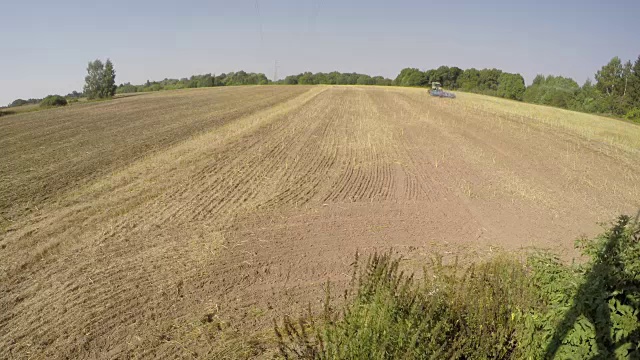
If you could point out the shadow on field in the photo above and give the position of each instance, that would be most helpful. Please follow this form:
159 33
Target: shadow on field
7 112
609 291
128 95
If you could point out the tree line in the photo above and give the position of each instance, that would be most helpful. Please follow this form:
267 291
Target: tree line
100 83
20 102
334 78
244 78
616 90
72 96
197 81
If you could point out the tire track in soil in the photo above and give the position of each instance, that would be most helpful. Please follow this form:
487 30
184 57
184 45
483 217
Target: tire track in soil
365 173
250 224
111 289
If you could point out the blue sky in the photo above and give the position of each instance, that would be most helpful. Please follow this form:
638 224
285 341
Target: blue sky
45 45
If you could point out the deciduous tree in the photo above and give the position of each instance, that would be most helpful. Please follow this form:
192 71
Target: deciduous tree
93 82
108 80
609 79
100 81
511 86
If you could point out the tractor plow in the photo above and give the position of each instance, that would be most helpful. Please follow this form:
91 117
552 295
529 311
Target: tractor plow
436 90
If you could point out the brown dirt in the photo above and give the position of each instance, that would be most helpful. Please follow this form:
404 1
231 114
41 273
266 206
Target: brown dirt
218 210
83 142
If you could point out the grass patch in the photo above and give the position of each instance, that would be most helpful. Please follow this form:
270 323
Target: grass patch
4 112
500 309
589 126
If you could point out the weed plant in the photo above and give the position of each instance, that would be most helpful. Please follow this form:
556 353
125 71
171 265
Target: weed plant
500 309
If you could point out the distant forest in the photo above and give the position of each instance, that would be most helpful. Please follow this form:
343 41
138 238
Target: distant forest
244 78
616 90
335 78
197 81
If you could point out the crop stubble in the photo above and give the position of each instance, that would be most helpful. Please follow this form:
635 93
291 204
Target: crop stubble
177 223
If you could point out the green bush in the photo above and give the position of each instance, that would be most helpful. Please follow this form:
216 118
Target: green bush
53 100
501 309
18 102
633 114
592 310
155 87
393 316
126 89
21 102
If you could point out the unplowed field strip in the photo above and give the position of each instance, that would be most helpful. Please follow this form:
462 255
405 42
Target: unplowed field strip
179 224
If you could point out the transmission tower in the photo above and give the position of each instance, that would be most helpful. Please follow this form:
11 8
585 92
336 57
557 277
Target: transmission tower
275 71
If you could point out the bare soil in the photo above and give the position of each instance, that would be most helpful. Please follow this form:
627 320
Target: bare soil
180 224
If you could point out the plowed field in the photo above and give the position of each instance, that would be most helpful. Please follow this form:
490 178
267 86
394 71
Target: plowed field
181 223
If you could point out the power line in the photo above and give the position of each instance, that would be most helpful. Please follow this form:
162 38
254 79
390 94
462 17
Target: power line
313 15
259 21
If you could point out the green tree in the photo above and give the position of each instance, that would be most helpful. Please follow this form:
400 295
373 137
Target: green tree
613 81
411 77
626 75
291 80
511 86
452 77
447 76
539 80
333 77
365 80
587 99
18 102
126 88
53 100
610 78
353 78
469 80
108 88
440 75
343 79
430 76
488 81
633 90
552 90
93 82
306 79
206 81
220 80
100 81
379 80
321 78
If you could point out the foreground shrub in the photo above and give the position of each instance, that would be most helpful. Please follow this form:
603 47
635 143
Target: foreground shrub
633 114
501 309
593 310
53 100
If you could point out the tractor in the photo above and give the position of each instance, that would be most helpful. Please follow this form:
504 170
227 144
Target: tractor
436 90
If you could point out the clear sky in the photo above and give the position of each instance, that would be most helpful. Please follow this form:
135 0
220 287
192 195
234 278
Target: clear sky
45 45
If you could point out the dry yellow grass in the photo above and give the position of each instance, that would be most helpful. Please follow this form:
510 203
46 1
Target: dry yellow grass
4 111
617 133
179 223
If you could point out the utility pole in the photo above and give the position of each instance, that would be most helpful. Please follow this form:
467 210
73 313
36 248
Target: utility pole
275 71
